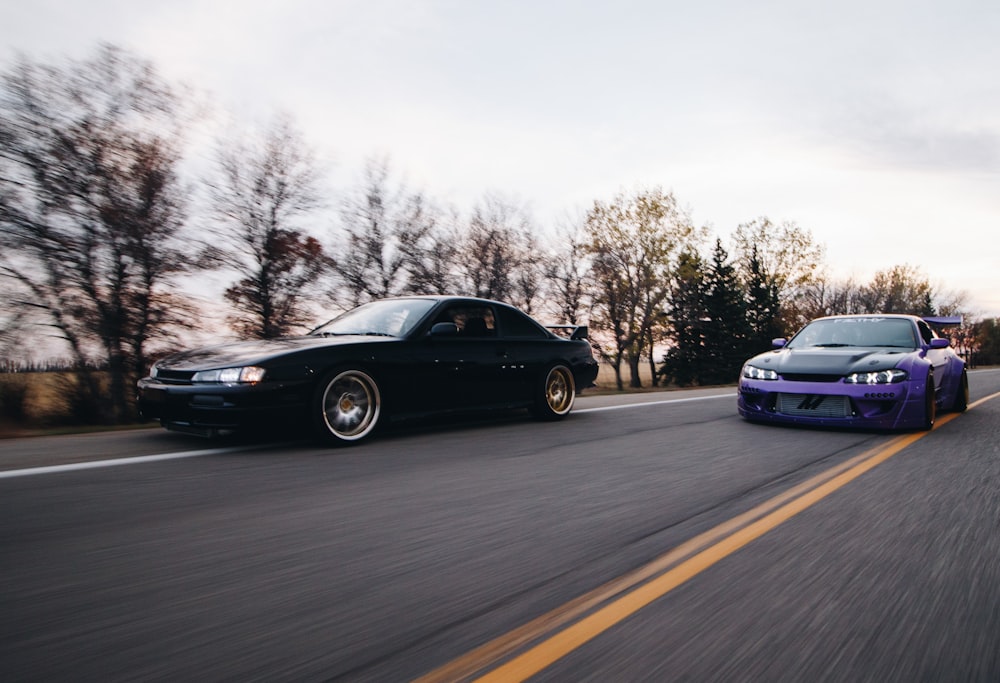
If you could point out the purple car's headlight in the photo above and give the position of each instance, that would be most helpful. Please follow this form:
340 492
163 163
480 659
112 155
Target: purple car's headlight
247 375
881 377
751 372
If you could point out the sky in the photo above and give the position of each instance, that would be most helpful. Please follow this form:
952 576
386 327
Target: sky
874 125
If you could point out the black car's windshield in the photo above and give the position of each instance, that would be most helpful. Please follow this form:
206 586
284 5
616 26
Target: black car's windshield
388 318
891 333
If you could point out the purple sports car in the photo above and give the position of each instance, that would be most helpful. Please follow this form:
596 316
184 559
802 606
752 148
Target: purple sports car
869 371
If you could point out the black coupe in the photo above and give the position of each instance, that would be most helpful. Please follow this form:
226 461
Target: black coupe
388 359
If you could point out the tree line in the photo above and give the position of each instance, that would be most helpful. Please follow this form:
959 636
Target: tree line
103 233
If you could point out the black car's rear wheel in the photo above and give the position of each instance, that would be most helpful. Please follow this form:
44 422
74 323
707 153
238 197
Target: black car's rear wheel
556 395
347 406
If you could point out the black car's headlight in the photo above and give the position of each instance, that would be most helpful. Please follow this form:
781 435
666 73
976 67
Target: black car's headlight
753 372
880 377
248 375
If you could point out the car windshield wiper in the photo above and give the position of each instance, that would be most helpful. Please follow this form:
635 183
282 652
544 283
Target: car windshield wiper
832 345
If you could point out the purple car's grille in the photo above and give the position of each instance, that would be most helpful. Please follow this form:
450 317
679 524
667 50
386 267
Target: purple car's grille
803 377
813 405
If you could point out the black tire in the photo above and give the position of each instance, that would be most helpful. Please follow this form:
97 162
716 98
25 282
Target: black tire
556 394
961 403
930 405
346 406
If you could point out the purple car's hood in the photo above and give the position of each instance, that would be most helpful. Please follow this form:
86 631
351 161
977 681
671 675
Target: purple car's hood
831 361
236 354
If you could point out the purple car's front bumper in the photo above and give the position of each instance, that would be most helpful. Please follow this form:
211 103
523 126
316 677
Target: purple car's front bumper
834 404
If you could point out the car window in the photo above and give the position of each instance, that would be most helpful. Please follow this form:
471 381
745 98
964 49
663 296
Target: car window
516 324
389 317
874 331
472 321
926 332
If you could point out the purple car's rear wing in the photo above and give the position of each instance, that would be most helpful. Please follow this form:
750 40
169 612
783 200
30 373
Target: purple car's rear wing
943 320
570 331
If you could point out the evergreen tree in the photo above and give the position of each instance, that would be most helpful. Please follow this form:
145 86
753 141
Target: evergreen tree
684 362
727 331
763 306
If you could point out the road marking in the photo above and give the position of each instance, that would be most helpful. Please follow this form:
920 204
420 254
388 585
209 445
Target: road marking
584 618
113 462
643 404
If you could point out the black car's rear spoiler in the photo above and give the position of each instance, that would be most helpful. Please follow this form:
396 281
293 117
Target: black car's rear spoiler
943 320
571 331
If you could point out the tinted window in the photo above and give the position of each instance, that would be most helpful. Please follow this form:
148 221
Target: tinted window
472 321
926 332
516 324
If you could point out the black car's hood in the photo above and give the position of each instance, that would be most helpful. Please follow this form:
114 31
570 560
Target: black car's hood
237 354
830 361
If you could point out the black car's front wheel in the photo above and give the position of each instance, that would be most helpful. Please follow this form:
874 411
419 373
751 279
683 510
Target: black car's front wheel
346 406
556 394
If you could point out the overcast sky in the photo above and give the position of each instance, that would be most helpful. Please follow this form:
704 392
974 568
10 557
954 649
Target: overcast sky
873 124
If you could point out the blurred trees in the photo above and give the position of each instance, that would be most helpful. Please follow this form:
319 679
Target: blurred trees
92 211
498 256
982 341
266 186
392 242
567 273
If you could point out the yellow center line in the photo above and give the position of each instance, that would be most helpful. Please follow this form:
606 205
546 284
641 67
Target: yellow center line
670 571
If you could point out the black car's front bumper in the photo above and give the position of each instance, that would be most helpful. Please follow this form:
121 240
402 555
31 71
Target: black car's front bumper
216 408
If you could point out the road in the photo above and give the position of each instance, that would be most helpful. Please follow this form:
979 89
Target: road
647 537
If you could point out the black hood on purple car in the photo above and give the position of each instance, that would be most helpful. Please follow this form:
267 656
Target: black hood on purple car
237 354
830 361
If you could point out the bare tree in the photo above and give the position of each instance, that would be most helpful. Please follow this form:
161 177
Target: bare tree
266 186
567 270
787 256
92 211
900 289
499 256
633 241
393 244
431 251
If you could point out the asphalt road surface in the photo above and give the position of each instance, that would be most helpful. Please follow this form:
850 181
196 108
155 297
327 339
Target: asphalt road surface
652 537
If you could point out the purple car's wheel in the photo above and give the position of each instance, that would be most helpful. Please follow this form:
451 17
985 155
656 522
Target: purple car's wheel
347 406
930 406
558 392
962 395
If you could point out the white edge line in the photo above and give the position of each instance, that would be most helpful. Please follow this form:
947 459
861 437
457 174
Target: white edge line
653 403
94 464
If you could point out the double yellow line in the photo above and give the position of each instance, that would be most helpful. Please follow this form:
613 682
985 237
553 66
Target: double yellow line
555 634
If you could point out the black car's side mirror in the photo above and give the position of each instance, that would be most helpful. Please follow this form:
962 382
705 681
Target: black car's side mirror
444 330
939 343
